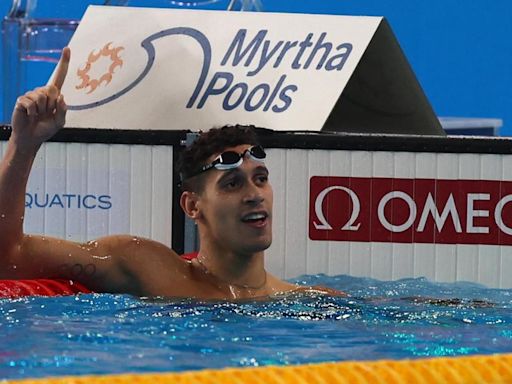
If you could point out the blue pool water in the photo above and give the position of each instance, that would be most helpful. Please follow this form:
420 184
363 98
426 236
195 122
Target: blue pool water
100 334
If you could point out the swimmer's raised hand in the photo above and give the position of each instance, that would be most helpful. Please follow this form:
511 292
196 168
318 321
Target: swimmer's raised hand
40 113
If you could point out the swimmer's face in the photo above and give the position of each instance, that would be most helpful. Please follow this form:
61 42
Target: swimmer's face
235 206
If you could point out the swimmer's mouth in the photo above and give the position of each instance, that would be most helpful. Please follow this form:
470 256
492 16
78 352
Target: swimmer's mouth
255 217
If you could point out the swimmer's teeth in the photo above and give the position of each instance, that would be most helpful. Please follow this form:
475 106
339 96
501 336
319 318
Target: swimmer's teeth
254 217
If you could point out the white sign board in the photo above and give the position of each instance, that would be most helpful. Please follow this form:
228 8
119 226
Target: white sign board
143 68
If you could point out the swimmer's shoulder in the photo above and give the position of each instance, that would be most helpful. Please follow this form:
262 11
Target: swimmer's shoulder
154 269
281 286
137 253
322 290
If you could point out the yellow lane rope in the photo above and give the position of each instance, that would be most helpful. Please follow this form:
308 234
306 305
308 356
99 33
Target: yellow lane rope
452 370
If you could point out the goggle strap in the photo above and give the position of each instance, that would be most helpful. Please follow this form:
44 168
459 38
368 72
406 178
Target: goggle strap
219 163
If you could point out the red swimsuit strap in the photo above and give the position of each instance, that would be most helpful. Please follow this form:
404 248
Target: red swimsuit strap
189 256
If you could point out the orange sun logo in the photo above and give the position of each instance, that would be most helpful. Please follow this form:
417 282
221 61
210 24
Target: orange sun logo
106 51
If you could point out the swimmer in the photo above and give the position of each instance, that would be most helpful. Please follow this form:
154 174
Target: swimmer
226 191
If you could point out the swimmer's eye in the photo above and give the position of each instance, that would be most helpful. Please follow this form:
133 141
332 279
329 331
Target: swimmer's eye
232 183
262 179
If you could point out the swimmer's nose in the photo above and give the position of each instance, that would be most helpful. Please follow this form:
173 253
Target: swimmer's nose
254 200
253 196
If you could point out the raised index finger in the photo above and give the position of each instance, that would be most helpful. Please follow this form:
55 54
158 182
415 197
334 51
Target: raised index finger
62 68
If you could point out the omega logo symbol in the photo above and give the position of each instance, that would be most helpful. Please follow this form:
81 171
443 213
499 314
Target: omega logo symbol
428 211
356 208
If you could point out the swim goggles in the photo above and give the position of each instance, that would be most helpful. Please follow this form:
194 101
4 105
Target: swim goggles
231 160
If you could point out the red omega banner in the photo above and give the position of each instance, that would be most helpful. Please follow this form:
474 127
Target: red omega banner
410 210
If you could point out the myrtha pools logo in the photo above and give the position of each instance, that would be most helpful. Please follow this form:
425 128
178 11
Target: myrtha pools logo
112 54
254 54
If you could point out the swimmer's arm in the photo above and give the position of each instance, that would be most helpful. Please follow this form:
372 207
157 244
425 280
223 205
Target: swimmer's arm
114 264
442 302
449 302
36 117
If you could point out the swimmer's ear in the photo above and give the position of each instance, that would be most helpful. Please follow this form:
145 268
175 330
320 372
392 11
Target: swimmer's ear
189 204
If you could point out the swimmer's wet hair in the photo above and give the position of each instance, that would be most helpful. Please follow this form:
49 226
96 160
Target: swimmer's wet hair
207 144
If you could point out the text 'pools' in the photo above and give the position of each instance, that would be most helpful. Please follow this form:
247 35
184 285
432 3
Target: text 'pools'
259 53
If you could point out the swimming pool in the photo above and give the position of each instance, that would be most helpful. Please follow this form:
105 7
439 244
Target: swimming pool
105 334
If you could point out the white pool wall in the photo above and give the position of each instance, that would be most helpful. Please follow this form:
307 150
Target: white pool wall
293 253
138 179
